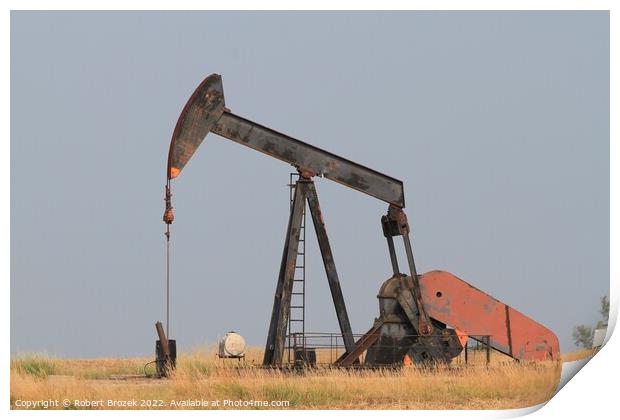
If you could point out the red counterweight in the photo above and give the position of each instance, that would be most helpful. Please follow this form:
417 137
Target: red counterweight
457 303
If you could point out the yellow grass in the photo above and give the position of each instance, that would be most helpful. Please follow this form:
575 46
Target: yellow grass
578 355
201 376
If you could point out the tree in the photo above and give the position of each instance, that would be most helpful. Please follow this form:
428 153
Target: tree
605 308
583 334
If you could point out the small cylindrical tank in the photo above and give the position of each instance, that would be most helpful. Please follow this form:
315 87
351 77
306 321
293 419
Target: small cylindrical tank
232 345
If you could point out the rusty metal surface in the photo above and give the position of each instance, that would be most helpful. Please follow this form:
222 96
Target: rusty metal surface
168 213
310 158
330 267
393 257
165 352
425 327
162 338
201 111
407 302
472 311
437 298
274 348
395 223
367 340
399 335
205 111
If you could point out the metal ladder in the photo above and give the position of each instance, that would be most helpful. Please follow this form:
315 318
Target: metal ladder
297 311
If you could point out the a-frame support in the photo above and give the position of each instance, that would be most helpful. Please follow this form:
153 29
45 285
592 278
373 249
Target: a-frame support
274 348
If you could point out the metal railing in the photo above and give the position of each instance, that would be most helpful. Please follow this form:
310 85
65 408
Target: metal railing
324 349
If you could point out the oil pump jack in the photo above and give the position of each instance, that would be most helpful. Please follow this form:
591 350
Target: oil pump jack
418 314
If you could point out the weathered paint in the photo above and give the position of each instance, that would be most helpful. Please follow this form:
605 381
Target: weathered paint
399 334
367 340
205 111
330 266
202 110
471 311
274 348
440 295
462 337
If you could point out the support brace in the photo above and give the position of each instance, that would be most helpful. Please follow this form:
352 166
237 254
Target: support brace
330 268
276 337
282 299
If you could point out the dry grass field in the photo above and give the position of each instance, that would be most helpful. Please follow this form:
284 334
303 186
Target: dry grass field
201 379
578 355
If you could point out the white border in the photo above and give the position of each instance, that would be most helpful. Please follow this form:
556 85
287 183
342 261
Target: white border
592 394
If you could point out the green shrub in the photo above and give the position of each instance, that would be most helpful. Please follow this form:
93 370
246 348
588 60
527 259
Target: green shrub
34 365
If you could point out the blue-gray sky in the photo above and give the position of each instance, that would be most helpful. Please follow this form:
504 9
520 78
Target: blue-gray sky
497 122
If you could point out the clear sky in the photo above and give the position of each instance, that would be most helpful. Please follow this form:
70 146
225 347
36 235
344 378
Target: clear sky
497 122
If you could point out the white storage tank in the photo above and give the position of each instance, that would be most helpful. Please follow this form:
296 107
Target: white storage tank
599 337
232 346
